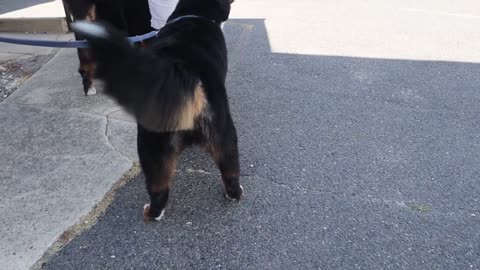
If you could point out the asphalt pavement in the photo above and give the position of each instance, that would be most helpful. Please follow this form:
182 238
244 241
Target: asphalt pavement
361 152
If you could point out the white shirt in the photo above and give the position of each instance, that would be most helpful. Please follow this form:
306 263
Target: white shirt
160 11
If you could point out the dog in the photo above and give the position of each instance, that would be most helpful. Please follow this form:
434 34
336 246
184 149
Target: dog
130 16
175 89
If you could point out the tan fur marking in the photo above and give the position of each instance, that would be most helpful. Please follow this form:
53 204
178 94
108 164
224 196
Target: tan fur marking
146 213
214 152
191 109
162 182
92 14
230 174
89 69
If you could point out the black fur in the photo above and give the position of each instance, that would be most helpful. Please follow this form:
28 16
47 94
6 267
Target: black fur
132 17
155 83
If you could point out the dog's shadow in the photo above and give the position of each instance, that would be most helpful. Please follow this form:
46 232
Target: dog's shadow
197 194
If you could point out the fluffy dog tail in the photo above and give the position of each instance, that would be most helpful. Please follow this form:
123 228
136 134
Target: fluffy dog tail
160 93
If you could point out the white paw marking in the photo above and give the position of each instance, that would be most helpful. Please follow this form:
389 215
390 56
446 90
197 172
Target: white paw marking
90 29
91 91
161 213
228 197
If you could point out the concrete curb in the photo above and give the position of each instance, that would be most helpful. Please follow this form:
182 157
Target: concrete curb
34 25
66 149
90 219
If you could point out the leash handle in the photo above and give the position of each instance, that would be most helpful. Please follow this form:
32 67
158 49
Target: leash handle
68 44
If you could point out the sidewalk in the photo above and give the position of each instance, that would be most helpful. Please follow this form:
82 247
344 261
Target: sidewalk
32 16
60 153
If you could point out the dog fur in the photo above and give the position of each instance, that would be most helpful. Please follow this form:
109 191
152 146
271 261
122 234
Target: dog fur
175 88
132 17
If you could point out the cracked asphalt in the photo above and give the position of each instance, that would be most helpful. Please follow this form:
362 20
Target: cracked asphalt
348 161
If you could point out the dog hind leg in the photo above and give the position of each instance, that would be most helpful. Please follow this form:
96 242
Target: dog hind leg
87 66
86 70
158 159
224 150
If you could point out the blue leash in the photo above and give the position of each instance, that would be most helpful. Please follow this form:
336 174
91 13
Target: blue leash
84 43
188 17
67 44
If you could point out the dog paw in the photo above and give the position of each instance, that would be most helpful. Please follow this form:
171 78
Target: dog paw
91 91
234 195
146 213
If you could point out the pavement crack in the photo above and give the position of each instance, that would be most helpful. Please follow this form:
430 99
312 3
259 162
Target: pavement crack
109 113
109 139
198 171
87 221
305 190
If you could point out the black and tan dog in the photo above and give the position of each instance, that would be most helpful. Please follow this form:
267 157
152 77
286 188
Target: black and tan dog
132 17
175 88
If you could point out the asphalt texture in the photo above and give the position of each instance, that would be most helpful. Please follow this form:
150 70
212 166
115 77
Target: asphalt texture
347 163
